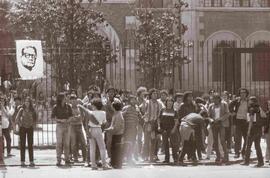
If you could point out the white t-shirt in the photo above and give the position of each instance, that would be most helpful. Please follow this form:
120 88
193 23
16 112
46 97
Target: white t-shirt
217 113
100 117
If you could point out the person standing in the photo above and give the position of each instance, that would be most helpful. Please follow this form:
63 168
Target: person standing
267 133
109 113
178 101
153 108
117 129
26 119
239 109
132 116
77 137
219 112
256 119
6 113
141 101
93 123
62 112
168 124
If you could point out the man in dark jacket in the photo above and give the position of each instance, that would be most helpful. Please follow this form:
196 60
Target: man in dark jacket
256 120
239 110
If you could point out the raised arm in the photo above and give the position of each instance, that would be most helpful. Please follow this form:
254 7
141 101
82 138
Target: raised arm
87 113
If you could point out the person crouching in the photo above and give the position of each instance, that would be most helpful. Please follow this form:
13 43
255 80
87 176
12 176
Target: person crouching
187 132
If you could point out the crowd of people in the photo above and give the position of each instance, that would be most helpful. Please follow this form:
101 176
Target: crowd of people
107 129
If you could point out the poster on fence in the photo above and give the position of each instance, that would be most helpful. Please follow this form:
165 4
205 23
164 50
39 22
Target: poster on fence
29 59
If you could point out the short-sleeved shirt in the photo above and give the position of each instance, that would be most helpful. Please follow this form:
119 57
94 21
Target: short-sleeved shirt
60 112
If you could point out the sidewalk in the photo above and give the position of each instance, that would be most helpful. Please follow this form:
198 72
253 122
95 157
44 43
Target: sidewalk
47 157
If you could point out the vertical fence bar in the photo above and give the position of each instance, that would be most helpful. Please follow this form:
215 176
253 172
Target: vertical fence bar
206 44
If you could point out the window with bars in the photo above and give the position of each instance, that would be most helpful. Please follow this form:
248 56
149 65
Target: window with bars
218 59
261 64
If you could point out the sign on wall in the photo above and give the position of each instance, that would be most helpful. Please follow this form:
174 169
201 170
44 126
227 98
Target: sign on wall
29 59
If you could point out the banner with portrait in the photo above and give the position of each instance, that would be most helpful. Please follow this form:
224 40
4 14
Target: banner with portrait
29 59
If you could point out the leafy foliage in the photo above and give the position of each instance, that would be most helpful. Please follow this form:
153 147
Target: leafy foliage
160 45
69 30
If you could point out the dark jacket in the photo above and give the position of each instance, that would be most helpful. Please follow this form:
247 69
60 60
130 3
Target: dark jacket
186 109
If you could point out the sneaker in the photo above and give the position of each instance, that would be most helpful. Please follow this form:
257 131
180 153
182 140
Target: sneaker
106 167
166 161
67 163
32 164
237 156
259 165
244 164
23 164
86 164
181 163
9 155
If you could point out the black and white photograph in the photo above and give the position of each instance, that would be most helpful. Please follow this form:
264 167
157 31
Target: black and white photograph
134 88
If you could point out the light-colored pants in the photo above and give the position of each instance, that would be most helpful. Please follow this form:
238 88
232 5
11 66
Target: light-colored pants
62 141
267 152
97 138
210 142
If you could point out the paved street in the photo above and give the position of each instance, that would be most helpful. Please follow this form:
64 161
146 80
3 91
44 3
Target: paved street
234 171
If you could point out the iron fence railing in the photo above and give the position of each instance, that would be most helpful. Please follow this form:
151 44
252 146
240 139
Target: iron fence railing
219 65
235 3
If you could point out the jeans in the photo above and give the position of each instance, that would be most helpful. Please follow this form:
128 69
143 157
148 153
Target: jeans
228 137
26 133
149 147
210 142
130 141
241 127
77 138
108 141
97 138
219 133
267 153
170 139
117 155
62 141
255 136
188 148
6 135
199 141
139 141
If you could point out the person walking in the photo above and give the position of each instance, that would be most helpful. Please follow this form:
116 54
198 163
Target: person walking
26 119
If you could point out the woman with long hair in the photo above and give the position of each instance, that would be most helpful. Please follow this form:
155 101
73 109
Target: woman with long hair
26 119
6 111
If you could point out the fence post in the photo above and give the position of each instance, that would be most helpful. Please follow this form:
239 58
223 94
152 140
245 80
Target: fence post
1 143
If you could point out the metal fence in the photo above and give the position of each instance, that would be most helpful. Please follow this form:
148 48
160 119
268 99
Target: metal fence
220 65
235 3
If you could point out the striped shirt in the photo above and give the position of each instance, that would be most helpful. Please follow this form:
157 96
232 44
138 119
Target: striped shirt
131 115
